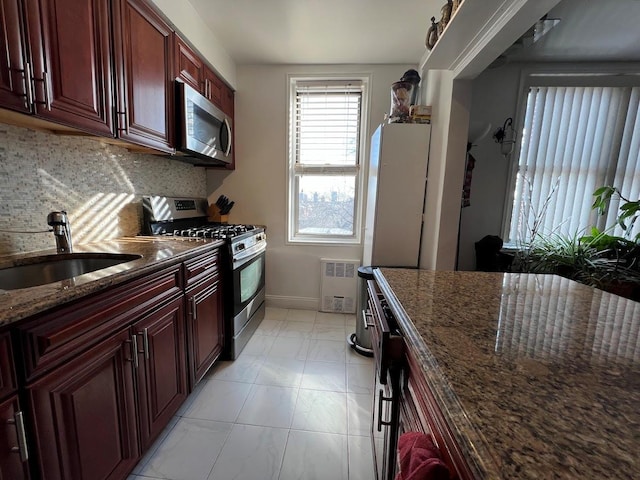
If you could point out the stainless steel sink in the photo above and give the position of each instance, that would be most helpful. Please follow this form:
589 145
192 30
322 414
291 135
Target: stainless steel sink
34 271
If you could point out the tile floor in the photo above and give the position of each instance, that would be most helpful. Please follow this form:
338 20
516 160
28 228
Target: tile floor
296 404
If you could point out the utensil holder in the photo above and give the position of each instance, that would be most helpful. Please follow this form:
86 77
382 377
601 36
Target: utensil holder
215 216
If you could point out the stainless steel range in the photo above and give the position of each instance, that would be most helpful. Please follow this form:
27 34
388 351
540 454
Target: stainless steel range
244 277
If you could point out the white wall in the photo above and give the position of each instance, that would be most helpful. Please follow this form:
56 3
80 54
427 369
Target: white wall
259 183
184 18
494 98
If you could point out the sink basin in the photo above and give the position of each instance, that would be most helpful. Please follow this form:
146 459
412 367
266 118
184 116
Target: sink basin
34 271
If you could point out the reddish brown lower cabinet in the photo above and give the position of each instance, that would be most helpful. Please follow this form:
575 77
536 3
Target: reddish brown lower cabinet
83 414
204 325
160 368
14 454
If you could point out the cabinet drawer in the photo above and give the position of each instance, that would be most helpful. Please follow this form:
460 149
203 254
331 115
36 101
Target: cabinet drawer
7 370
202 266
50 339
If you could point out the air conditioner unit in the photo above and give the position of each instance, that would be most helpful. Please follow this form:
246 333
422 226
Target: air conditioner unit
339 285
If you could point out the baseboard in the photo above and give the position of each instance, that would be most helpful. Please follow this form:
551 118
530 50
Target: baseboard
301 303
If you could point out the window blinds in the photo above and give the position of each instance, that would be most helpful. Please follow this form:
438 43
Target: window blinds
326 124
575 139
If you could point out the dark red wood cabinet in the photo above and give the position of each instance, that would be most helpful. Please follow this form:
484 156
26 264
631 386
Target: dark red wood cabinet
205 314
14 452
143 54
71 54
14 69
84 416
188 66
160 368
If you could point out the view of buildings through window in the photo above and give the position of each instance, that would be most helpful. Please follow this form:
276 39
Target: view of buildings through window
324 174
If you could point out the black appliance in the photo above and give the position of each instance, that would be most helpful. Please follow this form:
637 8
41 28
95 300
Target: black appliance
203 130
244 275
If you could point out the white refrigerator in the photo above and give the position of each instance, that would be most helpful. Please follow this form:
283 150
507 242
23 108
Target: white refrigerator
399 157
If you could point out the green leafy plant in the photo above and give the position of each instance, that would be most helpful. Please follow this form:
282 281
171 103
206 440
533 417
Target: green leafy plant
628 213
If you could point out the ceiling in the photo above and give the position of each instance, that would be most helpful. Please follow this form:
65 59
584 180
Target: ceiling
589 30
320 31
387 32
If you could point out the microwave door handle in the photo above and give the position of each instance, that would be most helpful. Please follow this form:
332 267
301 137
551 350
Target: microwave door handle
228 127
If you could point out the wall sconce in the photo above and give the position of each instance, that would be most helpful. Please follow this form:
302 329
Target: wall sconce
506 137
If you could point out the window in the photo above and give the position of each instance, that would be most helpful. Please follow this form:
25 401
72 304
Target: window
325 145
574 140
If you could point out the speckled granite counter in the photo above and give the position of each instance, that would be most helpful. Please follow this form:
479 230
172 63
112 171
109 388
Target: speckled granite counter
538 376
157 252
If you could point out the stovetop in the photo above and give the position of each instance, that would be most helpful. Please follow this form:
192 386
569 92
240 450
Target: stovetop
217 231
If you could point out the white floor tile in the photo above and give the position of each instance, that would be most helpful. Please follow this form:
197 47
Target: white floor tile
323 331
325 376
251 453
325 318
272 313
289 348
291 329
301 315
327 351
320 411
269 406
269 327
281 371
154 447
315 456
219 400
360 377
189 451
359 413
258 345
244 369
353 357
360 458
350 322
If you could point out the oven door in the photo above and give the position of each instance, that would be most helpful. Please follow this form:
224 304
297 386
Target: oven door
248 285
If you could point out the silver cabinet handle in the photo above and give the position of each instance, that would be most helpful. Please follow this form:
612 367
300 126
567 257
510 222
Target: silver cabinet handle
134 348
366 314
382 398
18 421
146 343
194 307
27 85
47 96
122 116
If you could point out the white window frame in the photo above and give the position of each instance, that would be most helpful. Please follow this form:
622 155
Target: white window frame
293 174
578 75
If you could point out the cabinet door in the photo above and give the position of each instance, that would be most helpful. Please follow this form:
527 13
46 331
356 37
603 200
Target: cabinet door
162 379
13 447
204 326
212 87
144 71
14 75
71 51
83 415
188 66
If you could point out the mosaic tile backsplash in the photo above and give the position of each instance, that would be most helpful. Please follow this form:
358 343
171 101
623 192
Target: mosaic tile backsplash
99 185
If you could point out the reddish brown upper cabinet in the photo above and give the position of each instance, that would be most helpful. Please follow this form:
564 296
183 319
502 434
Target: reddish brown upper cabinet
71 63
15 90
143 53
188 66
161 368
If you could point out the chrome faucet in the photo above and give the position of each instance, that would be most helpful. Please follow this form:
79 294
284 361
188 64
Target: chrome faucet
61 230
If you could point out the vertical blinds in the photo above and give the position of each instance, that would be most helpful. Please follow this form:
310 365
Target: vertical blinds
326 123
575 139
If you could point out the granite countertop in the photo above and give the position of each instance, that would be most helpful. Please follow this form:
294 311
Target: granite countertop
538 376
157 252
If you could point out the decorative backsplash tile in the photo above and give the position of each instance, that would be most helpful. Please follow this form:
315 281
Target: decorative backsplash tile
97 184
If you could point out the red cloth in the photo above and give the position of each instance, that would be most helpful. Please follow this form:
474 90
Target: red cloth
420 458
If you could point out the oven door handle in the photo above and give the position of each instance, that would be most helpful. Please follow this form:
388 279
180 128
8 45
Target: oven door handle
249 254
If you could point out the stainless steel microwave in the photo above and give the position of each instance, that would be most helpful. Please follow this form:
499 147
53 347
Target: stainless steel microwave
203 130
